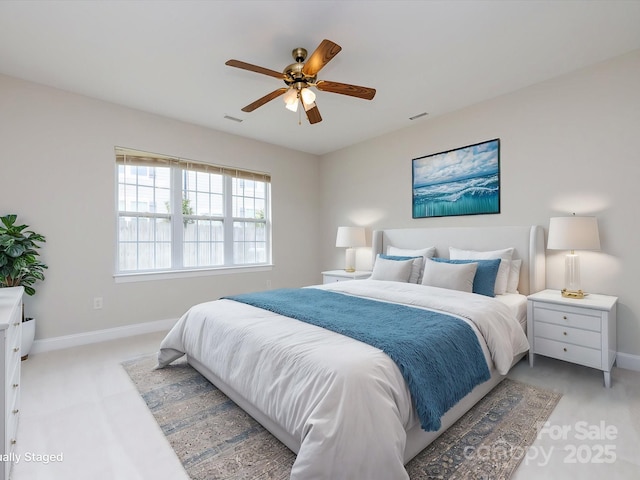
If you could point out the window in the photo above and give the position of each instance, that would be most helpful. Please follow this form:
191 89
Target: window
175 214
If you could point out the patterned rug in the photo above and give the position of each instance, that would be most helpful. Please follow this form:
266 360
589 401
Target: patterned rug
217 440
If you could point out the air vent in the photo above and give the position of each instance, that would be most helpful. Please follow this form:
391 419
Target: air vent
415 117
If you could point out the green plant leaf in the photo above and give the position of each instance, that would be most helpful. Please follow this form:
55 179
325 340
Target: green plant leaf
19 264
15 250
9 220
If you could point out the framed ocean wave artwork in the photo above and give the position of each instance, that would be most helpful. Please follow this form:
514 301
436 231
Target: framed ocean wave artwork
463 181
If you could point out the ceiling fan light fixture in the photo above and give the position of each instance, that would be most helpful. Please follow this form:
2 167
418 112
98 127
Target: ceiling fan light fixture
307 96
293 106
290 96
291 99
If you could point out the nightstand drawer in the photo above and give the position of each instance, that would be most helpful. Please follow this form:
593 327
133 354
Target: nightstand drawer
575 336
332 276
332 279
569 317
570 353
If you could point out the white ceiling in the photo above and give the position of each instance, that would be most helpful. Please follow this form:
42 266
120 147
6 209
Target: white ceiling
422 56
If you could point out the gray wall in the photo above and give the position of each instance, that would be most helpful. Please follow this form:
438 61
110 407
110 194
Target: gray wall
567 145
57 171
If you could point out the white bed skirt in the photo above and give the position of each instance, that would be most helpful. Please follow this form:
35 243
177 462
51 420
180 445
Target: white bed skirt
417 438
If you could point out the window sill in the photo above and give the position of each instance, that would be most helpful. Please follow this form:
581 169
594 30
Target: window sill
169 275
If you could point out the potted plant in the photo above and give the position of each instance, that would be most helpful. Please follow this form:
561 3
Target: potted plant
20 266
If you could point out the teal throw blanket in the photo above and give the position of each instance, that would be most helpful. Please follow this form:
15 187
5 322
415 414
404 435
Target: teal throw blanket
438 355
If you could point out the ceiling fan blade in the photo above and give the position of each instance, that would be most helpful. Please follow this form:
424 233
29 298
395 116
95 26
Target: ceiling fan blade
346 89
313 114
322 55
254 68
267 98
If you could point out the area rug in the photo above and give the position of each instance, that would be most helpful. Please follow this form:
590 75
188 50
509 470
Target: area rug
214 439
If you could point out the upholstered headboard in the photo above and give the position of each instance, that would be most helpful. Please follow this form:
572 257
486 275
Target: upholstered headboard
527 241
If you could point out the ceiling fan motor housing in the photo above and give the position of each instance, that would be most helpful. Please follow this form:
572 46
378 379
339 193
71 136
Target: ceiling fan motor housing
293 75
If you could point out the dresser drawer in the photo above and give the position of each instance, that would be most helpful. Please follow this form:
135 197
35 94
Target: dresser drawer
12 430
13 414
569 317
13 385
575 336
13 335
12 355
568 352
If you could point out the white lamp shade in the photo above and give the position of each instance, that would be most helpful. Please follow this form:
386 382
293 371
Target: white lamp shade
290 96
350 237
573 233
291 99
307 95
293 106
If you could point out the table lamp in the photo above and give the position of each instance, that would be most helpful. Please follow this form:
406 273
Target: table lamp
573 233
350 237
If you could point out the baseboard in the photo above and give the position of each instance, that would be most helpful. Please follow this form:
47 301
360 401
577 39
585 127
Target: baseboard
628 361
86 338
623 360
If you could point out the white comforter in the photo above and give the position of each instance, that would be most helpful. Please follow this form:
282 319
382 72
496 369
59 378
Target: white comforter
345 401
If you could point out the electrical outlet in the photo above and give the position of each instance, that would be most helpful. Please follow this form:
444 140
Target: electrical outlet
97 303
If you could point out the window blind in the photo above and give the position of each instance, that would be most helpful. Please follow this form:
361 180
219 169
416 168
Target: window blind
126 156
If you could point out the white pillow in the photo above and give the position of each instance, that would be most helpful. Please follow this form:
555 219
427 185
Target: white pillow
454 276
394 270
514 276
425 253
503 271
416 268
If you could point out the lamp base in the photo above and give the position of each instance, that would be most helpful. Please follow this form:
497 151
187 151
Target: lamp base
572 277
350 260
573 293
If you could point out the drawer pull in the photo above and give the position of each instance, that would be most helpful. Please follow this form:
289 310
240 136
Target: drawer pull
564 317
17 349
16 411
16 385
16 324
13 441
564 333
565 349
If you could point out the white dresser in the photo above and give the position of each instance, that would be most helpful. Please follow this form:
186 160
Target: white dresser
581 331
10 326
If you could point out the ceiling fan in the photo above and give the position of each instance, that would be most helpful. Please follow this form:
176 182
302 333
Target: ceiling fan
300 76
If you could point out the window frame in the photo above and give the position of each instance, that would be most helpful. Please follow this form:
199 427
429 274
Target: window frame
177 167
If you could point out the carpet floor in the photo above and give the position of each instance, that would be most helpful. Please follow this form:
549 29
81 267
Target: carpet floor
216 440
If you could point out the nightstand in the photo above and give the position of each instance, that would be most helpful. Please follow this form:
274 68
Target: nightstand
341 276
581 331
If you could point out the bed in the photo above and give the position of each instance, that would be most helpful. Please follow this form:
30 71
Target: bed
342 405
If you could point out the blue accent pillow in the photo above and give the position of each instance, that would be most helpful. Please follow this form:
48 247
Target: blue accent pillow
396 257
485 280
